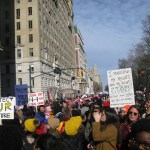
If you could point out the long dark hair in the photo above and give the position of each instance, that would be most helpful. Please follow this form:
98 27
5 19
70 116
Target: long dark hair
112 118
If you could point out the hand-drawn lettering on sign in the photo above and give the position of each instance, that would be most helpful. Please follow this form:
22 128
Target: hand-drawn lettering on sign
7 108
35 99
120 87
21 94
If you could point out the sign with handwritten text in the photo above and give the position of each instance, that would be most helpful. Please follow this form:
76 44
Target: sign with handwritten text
35 99
7 108
121 90
21 92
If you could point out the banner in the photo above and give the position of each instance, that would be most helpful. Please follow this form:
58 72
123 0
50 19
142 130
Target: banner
35 99
7 107
120 87
21 92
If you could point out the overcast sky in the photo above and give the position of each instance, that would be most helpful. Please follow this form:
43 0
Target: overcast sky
109 29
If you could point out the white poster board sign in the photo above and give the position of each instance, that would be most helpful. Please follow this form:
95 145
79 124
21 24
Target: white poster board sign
35 99
120 87
7 107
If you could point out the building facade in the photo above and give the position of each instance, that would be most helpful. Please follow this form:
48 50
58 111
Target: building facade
94 81
81 61
42 40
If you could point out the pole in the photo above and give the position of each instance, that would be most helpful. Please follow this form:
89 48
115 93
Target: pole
30 78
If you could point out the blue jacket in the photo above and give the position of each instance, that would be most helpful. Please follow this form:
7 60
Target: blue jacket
41 118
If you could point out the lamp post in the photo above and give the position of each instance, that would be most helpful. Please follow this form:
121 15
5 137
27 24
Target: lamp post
30 78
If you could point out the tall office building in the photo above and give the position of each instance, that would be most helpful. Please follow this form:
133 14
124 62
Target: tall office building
37 36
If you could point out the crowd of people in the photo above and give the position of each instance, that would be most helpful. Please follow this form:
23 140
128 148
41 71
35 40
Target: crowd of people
86 123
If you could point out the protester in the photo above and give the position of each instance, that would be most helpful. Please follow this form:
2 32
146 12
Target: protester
53 124
40 115
41 128
45 142
64 144
28 136
74 131
140 132
10 138
122 115
125 127
85 107
64 105
105 129
147 106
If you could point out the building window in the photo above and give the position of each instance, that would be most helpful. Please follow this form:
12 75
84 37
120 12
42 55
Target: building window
17 1
7 69
18 13
18 39
29 10
19 67
29 0
30 24
18 53
31 51
18 26
30 38
20 81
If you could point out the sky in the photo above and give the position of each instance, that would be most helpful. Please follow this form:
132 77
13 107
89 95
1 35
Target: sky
110 28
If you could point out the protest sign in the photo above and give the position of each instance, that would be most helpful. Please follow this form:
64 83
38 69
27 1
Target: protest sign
21 92
35 99
7 108
120 87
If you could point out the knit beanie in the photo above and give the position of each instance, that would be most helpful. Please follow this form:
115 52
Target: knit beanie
53 122
29 125
72 125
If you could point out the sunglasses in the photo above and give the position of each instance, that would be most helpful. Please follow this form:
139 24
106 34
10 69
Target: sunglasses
134 113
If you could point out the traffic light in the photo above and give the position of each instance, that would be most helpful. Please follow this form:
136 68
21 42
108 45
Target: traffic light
79 73
57 70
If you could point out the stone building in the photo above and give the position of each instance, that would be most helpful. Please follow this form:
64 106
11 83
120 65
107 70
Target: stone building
81 61
38 36
94 80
